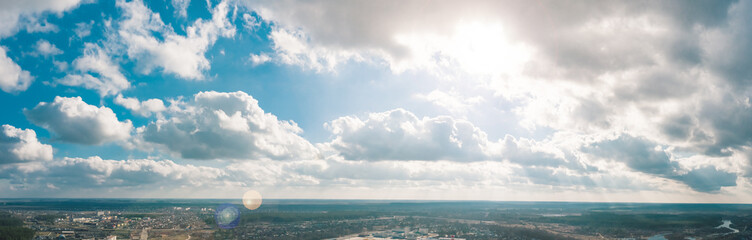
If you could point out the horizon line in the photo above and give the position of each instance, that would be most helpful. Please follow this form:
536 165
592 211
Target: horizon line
382 200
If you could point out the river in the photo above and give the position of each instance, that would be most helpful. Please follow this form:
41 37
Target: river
727 224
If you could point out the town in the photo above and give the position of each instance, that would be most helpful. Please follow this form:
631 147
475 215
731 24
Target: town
374 220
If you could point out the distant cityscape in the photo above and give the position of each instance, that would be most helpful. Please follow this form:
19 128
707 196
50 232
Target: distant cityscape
187 223
368 220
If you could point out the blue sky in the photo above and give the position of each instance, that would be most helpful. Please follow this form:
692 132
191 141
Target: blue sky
596 101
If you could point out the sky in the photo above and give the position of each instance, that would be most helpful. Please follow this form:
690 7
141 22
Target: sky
599 101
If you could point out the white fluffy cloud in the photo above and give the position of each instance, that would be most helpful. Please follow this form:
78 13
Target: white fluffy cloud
12 77
615 95
400 135
11 12
173 53
250 22
226 125
96 176
666 73
258 59
164 178
83 29
145 108
585 56
73 120
45 48
21 145
106 79
321 35
181 7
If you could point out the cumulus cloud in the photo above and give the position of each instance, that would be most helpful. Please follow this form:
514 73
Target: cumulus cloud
21 145
341 40
155 45
12 77
621 92
722 126
218 125
37 25
107 176
644 156
83 29
599 81
292 48
250 22
586 55
680 86
636 153
321 35
73 120
708 179
45 48
145 108
162 176
14 11
400 135
95 70
258 59
727 48
181 7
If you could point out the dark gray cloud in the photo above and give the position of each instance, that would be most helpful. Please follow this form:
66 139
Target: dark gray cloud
679 127
552 26
552 177
636 153
728 49
707 179
642 155
729 121
588 39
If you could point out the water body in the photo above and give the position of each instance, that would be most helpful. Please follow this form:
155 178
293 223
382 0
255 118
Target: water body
727 224
658 237
553 215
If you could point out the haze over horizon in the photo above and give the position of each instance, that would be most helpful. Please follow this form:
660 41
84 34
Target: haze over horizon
595 101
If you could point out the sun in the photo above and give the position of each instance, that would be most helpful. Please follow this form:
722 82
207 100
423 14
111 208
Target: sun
484 48
468 47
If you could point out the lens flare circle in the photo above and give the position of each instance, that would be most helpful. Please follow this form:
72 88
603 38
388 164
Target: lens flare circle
252 200
227 216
